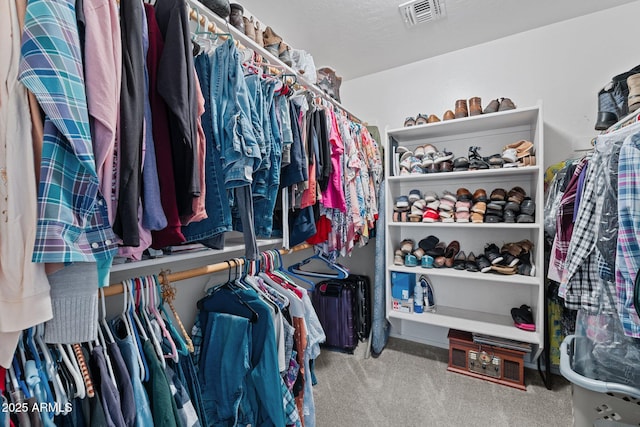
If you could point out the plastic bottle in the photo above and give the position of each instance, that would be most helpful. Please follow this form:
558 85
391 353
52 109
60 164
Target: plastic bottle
418 298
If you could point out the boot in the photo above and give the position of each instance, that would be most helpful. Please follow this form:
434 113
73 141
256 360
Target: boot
461 109
475 106
259 37
249 28
272 41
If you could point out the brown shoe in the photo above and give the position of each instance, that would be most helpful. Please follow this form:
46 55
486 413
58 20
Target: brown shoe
432 118
516 195
450 253
506 104
480 195
492 107
463 194
259 36
461 109
498 194
448 115
475 107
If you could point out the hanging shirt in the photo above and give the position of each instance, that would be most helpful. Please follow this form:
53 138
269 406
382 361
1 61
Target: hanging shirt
333 195
73 223
24 288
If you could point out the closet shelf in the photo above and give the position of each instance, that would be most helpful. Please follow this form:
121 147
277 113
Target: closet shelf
517 279
473 124
472 321
468 176
473 225
233 246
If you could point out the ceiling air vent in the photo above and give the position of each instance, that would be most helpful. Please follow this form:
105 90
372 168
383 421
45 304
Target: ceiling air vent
420 11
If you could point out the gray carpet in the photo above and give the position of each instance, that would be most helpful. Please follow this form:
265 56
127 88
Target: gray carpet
409 385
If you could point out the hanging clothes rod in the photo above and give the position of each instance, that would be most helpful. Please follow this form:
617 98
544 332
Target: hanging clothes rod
118 288
197 9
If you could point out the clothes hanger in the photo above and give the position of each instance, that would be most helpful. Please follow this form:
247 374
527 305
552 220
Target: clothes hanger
18 377
152 313
138 330
168 295
340 272
230 285
59 392
79 389
281 270
42 373
101 342
146 322
124 316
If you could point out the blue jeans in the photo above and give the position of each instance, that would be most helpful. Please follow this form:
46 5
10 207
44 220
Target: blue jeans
232 126
224 364
216 200
256 98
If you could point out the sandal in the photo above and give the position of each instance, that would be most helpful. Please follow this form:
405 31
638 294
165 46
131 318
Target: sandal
409 121
421 119
477 217
479 207
503 269
430 215
406 246
523 318
398 257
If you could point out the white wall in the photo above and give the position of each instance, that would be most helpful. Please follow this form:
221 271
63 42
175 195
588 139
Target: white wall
564 65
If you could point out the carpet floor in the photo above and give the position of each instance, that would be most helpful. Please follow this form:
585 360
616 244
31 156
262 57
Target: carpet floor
409 385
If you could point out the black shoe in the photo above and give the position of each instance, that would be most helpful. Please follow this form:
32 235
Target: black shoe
509 260
526 267
484 265
471 264
492 252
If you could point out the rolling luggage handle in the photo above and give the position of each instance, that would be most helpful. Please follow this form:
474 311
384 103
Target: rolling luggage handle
566 354
330 289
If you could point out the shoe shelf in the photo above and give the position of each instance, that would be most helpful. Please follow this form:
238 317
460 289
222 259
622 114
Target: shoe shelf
471 321
436 225
471 301
452 273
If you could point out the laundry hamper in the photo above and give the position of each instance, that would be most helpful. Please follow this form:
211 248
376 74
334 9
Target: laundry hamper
598 403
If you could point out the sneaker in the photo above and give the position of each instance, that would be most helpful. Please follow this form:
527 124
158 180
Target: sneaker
410 260
492 252
483 264
429 297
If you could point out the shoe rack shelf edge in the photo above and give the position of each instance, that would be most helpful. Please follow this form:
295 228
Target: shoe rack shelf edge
474 302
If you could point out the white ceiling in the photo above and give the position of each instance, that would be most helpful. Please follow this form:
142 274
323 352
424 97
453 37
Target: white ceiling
357 38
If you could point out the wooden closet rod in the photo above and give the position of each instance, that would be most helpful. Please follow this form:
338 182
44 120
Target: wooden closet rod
118 288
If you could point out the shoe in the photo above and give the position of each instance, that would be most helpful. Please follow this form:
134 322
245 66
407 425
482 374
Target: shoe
492 107
409 121
414 196
435 205
410 260
503 269
508 258
494 207
492 219
426 261
480 195
406 246
462 216
430 196
433 119
460 164
522 218
528 206
448 115
479 207
509 216
398 257
402 203
506 104
446 166
460 261
471 264
483 264
235 18
527 161
442 156
259 35
523 318
430 215
463 195
249 28
474 106
437 250
461 109
477 217
475 159
526 267
516 195
421 119
492 253
510 155
463 206
498 194
417 209
428 243
451 252
419 152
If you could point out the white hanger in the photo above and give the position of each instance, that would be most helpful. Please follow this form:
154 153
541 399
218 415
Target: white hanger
59 392
102 343
74 370
143 310
150 289
125 318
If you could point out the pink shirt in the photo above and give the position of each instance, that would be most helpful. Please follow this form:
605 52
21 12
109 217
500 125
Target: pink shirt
333 196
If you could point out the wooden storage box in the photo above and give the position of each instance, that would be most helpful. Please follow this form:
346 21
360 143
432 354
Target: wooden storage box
496 364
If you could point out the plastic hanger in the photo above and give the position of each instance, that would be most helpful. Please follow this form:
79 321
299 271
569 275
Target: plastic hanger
280 269
42 373
145 321
340 272
103 343
18 378
181 344
124 316
151 312
59 392
230 285
74 371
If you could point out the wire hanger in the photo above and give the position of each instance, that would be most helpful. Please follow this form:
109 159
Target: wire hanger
340 271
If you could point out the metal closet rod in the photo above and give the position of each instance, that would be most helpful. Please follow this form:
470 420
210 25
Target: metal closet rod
118 288
198 12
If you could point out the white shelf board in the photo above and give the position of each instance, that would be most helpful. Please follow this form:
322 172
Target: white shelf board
498 225
233 246
482 122
471 321
469 175
468 275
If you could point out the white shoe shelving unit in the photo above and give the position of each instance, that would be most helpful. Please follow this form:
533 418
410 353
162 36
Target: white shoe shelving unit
473 302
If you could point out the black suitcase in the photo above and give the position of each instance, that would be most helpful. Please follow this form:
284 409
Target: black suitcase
362 304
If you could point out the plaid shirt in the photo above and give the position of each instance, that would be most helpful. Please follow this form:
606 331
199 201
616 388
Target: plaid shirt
628 248
72 221
580 280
